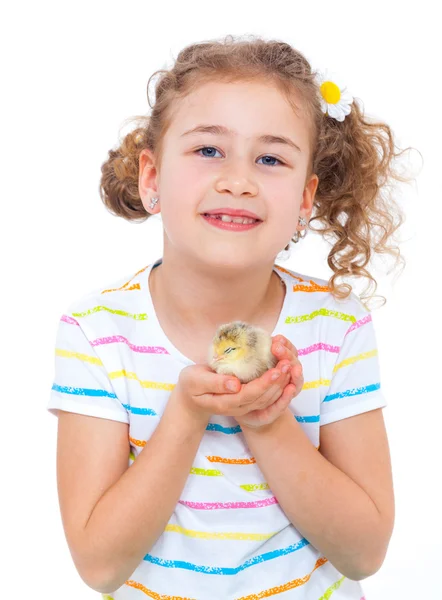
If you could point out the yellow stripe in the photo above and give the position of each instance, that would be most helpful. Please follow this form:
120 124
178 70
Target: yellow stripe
114 311
84 357
209 535
352 359
156 385
323 312
207 472
251 487
329 591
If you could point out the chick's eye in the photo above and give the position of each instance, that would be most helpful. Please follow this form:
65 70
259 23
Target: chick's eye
229 349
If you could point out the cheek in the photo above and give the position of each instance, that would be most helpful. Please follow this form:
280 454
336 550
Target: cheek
185 182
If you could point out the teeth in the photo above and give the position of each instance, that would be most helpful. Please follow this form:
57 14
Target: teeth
229 219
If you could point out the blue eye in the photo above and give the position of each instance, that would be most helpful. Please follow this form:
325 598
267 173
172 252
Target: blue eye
265 156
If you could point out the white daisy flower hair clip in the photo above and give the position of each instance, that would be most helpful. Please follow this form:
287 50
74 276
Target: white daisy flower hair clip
335 99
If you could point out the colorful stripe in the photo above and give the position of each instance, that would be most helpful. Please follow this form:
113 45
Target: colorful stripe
291 585
114 311
210 570
332 589
228 505
211 426
116 339
124 287
210 535
253 487
359 323
67 389
264 594
205 472
353 392
353 359
232 461
320 312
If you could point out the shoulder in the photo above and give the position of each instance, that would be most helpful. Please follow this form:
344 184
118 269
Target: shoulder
312 300
113 302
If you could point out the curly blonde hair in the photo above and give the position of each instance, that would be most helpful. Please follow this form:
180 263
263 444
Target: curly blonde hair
353 159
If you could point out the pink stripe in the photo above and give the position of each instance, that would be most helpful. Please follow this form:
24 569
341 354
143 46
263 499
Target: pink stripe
161 350
119 338
359 323
214 505
69 320
318 346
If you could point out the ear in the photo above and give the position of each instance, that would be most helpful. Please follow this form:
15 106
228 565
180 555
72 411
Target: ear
147 178
308 196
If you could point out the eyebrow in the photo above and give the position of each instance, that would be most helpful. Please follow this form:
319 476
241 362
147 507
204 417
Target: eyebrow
221 130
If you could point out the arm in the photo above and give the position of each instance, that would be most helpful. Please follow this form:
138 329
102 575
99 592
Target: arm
117 540
326 505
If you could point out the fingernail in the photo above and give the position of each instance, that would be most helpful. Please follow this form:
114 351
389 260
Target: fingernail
275 376
231 385
279 348
285 368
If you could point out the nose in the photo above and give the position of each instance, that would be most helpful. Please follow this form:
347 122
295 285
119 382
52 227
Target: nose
237 180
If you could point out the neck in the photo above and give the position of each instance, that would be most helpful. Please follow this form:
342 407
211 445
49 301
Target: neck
203 298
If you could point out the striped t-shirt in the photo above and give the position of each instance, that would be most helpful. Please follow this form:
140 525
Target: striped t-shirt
228 538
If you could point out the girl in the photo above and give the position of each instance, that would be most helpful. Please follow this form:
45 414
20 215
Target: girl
272 488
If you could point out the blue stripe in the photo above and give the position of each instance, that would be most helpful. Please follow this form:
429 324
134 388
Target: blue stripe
353 392
221 429
307 419
140 411
150 411
65 389
181 564
237 429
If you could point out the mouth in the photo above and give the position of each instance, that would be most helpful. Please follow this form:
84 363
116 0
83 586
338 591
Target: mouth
236 224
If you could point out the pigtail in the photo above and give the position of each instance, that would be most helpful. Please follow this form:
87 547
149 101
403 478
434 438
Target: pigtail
354 162
118 187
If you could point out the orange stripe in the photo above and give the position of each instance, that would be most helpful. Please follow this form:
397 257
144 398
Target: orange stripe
286 586
232 461
313 287
135 286
152 594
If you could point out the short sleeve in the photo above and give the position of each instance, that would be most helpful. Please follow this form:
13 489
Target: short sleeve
81 383
355 385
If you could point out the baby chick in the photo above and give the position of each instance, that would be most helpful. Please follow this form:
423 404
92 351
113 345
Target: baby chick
242 350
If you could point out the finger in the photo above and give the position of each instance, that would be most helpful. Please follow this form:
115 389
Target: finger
271 412
286 343
262 403
216 383
270 393
282 402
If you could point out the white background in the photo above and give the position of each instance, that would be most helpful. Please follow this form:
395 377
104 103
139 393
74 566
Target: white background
71 74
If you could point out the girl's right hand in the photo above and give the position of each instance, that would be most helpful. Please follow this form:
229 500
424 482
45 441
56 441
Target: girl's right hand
203 393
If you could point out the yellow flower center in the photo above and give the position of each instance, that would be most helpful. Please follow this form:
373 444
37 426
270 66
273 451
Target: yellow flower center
330 92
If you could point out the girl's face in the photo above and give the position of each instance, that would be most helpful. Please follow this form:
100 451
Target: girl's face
201 171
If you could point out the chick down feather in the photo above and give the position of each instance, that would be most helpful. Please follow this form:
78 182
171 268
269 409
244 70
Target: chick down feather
241 349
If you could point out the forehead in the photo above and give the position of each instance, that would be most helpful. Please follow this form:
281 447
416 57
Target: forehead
250 108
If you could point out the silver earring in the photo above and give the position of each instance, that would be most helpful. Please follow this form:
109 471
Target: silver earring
153 202
300 234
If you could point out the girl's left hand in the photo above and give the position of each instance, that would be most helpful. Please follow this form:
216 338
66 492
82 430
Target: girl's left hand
288 354
289 351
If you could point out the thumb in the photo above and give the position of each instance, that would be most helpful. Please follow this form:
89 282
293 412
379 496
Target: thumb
204 380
